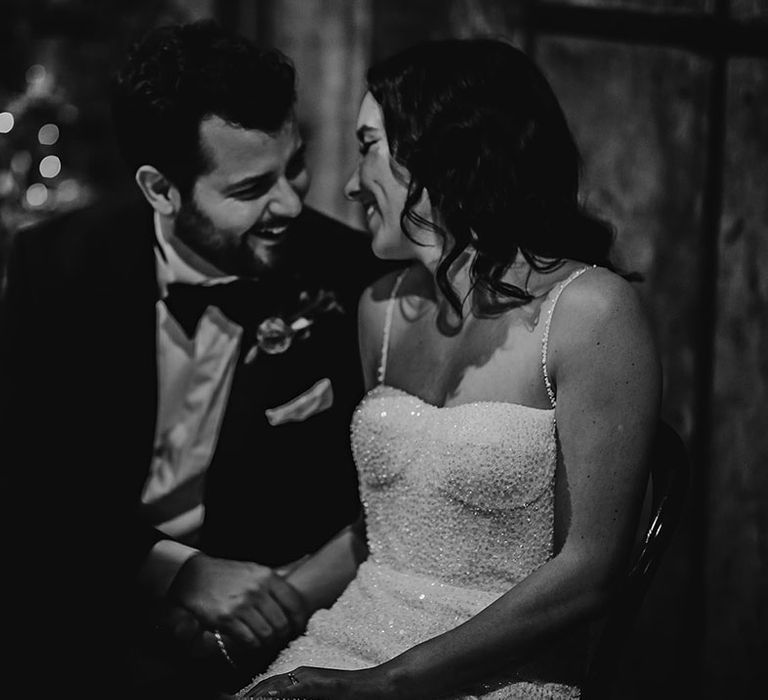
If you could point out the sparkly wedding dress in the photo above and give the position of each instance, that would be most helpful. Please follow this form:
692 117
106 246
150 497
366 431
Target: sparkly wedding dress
459 506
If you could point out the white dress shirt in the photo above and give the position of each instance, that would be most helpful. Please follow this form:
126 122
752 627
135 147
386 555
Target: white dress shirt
194 378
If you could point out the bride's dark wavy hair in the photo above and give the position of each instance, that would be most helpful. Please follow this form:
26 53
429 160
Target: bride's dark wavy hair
476 124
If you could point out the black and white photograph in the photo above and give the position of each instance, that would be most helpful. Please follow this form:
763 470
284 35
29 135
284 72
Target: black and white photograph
384 349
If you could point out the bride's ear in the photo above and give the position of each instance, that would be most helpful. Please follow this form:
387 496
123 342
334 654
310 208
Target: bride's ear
158 190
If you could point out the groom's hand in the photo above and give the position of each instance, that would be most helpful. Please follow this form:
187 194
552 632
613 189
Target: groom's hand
249 603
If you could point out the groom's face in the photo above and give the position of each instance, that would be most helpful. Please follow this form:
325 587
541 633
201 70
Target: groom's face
238 213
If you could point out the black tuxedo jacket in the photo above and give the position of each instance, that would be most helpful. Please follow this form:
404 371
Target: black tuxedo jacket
78 405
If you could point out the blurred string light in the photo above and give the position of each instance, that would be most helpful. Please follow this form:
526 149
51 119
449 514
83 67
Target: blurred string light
7 183
48 134
50 166
6 122
21 162
68 113
69 191
34 184
39 81
36 73
37 195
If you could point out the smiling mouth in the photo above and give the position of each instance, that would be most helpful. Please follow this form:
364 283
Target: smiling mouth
271 235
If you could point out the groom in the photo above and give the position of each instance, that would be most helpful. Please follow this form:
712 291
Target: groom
178 381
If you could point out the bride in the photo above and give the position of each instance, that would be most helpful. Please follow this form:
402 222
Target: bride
513 395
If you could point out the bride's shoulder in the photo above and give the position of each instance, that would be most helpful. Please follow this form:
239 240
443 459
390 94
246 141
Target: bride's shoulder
598 310
595 293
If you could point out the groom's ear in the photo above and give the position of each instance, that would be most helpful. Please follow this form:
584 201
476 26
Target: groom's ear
158 190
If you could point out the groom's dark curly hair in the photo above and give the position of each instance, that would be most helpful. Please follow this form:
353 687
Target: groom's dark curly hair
180 74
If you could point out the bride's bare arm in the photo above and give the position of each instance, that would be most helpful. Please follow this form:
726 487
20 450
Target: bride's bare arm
321 578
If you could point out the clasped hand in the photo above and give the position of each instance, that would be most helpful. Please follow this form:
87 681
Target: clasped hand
251 606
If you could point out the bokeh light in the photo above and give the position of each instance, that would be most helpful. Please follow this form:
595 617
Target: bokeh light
48 134
7 183
6 122
68 191
40 82
68 113
37 195
21 162
36 73
50 166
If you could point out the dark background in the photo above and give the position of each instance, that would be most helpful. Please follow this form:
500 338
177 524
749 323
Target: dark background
669 102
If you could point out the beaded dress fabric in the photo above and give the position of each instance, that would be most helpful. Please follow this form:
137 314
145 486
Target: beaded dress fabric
459 506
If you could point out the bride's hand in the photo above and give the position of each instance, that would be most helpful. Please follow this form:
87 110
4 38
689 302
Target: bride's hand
326 683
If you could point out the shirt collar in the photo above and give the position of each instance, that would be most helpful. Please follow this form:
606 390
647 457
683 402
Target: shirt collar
177 263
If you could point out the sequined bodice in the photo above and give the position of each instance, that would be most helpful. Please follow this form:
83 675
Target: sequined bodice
462 493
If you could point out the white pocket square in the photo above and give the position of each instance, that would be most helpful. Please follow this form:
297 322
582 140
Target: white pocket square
314 400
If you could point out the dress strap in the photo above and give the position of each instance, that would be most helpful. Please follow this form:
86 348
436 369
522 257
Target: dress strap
545 337
388 326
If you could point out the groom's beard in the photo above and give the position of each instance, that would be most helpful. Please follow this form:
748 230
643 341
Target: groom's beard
244 254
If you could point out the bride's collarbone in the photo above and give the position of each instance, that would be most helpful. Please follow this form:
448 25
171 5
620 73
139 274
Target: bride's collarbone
495 363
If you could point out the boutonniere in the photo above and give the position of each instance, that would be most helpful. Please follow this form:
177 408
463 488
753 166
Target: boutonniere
274 335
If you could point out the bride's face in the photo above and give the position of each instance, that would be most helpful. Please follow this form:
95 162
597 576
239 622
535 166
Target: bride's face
381 186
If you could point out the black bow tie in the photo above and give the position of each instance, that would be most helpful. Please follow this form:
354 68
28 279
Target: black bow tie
242 301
